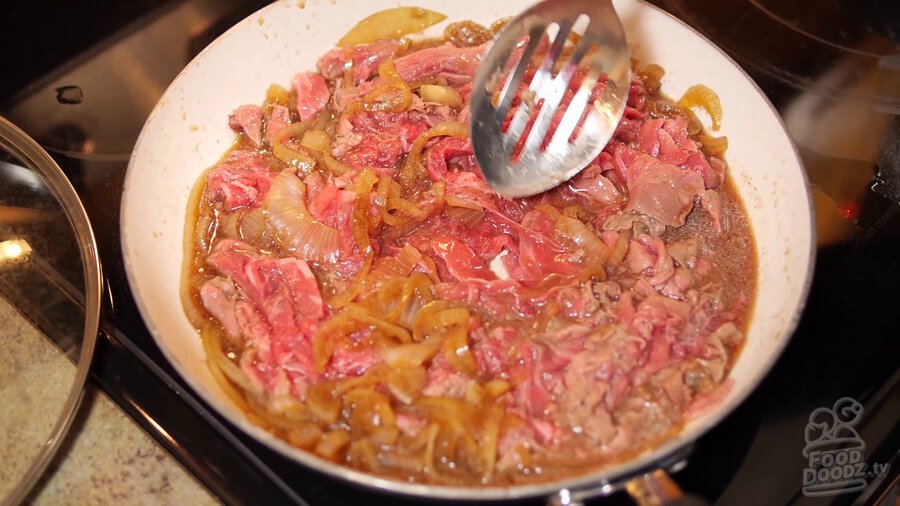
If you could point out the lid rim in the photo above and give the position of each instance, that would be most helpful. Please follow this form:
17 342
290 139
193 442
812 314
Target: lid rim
27 151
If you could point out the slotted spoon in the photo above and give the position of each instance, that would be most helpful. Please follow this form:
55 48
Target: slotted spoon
525 137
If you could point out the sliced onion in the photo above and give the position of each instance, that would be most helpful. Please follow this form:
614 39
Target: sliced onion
413 166
456 347
323 403
394 95
576 231
319 143
353 290
278 95
293 226
371 416
412 354
399 265
300 159
440 95
360 222
362 453
400 298
651 75
620 249
714 146
406 382
701 96
229 225
496 388
305 436
254 228
332 444
457 201
362 315
390 24
329 334
490 437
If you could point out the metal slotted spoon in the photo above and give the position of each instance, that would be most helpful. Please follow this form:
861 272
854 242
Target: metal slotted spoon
526 140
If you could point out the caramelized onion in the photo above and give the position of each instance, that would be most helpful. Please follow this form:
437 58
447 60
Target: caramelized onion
411 354
413 166
406 382
294 228
440 95
322 402
620 248
699 95
390 24
278 95
352 291
299 159
319 143
394 95
400 265
332 444
713 146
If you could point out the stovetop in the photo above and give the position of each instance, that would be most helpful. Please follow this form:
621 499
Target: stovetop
83 90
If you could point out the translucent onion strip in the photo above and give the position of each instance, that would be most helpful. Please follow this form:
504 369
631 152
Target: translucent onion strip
413 166
292 225
299 159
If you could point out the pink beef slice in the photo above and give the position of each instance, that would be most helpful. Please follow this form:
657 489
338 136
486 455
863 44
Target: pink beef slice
279 118
658 189
364 59
248 119
667 139
384 137
241 180
312 94
647 255
285 293
461 261
592 184
456 65
238 316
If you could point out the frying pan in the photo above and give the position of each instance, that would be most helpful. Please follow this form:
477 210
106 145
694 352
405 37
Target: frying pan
187 132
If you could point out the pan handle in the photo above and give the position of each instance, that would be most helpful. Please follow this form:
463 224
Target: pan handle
654 488
657 488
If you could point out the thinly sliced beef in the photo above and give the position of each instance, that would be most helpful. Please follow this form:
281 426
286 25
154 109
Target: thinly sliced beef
312 94
238 316
446 150
242 180
279 118
657 189
647 255
284 288
593 184
462 263
384 137
363 59
443 380
498 298
668 140
249 120
712 203
456 65
540 257
284 292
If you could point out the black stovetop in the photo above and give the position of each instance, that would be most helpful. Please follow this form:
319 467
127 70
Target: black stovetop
846 344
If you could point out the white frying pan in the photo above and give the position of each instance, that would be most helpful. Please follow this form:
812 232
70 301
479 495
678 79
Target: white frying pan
188 132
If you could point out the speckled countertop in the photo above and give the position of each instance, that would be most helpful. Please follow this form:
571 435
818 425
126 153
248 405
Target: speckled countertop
105 459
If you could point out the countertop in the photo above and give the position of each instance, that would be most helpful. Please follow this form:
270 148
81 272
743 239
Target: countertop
106 458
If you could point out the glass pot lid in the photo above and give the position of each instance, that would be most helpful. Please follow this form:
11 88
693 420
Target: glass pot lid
50 299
